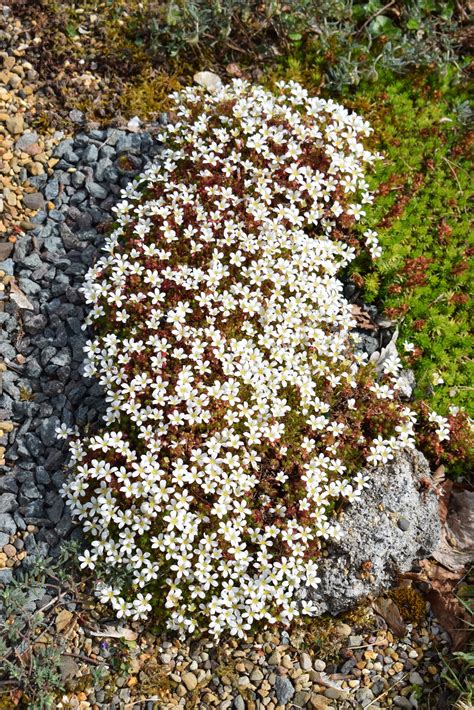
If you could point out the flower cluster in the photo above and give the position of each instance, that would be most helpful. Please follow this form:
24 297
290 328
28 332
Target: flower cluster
237 415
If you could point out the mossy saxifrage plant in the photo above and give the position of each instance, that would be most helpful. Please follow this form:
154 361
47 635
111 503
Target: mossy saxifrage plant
240 415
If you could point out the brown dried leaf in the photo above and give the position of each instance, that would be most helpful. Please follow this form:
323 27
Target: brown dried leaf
17 295
363 319
234 70
64 620
389 611
456 548
439 475
451 616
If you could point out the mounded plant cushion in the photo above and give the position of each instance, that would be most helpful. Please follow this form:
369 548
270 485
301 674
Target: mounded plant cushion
240 418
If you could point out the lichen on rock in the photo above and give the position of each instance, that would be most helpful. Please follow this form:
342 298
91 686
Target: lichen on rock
394 523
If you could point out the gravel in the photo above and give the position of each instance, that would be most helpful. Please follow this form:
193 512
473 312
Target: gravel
43 384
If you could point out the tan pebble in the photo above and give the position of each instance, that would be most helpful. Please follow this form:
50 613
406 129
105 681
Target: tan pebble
132 681
319 702
189 680
287 662
181 691
9 550
15 124
3 559
354 683
9 63
398 667
36 169
432 669
344 629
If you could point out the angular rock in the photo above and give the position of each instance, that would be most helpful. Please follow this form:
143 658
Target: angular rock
8 502
284 689
371 534
33 200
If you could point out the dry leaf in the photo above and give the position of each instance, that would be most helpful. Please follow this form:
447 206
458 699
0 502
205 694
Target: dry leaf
116 632
16 696
18 297
456 547
439 475
64 620
363 319
234 70
389 611
451 616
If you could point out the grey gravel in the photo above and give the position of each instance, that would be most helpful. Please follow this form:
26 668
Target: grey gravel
48 264
284 689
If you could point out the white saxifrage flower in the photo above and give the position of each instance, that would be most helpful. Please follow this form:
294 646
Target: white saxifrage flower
224 348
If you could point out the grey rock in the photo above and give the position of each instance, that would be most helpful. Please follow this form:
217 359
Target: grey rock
101 168
128 142
47 431
90 154
239 703
364 696
76 116
8 484
370 533
35 324
7 265
7 524
55 511
26 140
77 179
284 689
8 502
4 539
415 678
52 189
96 190
403 524
33 200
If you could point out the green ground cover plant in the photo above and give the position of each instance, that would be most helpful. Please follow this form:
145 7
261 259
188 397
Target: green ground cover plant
423 128
422 214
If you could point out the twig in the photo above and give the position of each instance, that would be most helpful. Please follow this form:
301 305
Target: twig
386 691
86 659
366 645
450 165
53 601
369 20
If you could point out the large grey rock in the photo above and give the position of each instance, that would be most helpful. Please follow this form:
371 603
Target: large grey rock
374 547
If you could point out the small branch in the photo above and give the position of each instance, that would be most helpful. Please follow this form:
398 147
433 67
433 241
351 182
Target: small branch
86 659
382 695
